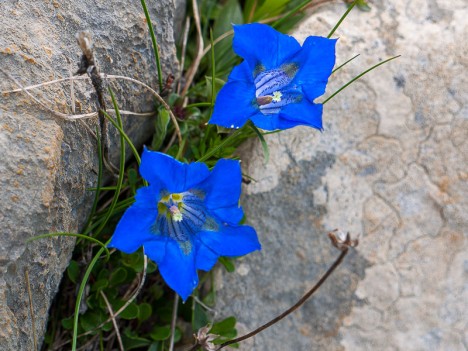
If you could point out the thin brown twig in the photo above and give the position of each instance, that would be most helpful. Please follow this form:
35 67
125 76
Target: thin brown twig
196 62
182 55
114 321
93 114
31 309
252 11
275 320
173 321
121 309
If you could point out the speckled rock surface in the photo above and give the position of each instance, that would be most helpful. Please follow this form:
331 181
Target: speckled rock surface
390 165
48 163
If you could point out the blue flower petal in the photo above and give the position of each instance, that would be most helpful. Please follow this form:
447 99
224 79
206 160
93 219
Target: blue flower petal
269 122
147 197
223 187
230 215
174 176
241 72
206 258
315 61
304 113
134 229
231 240
260 44
235 104
178 269
156 249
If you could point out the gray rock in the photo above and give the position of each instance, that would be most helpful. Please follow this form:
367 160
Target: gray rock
48 163
391 166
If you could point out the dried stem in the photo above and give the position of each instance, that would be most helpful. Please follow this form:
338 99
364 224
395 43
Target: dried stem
196 62
31 309
89 66
182 55
114 321
173 321
275 320
121 309
92 114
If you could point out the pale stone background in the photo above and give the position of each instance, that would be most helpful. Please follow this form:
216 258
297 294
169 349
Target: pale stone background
391 165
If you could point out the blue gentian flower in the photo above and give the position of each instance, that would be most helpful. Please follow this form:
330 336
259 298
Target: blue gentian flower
186 218
276 84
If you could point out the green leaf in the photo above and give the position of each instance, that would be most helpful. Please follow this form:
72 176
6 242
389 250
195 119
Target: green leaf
225 326
144 311
67 323
266 151
154 346
228 264
134 261
177 335
100 284
91 319
131 312
131 341
270 8
199 317
162 121
230 13
161 333
73 271
118 276
132 176
210 299
152 267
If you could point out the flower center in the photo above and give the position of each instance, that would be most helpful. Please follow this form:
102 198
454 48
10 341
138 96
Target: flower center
181 216
273 90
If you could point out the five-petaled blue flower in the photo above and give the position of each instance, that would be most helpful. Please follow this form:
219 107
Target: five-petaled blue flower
277 82
186 218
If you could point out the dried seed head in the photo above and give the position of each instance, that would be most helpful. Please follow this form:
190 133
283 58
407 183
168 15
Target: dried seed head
205 340
342 240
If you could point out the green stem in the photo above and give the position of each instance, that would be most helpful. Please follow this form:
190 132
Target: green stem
125 136
121 167
199 104
80 294
225 142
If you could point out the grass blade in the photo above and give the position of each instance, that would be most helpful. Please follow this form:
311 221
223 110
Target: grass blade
155 44
359 76
80 294
121 167
291 13
342 18
125 136
266 151
344 64
213 72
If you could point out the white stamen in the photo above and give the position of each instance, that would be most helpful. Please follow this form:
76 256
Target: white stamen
277 96
176 215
